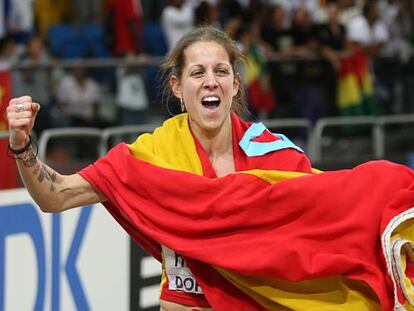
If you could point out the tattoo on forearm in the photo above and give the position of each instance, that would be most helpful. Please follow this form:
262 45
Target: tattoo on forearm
29 159
36 170
40 170
49 176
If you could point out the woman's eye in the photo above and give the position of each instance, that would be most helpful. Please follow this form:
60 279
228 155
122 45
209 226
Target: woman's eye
222 71
197 73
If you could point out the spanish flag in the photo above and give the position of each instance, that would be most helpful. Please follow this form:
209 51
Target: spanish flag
355 86
264 239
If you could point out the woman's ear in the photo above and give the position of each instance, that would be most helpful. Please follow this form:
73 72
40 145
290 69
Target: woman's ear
176 86
236 83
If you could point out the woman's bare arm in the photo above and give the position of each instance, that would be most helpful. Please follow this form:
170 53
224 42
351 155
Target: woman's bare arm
52 191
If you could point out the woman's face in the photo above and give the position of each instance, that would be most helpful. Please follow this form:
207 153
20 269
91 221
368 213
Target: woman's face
207 85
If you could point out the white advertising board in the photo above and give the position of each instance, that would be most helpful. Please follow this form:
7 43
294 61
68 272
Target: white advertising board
75 260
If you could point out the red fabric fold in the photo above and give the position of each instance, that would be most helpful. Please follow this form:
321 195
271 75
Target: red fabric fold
303 228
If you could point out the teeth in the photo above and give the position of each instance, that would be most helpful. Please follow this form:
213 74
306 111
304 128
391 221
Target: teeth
211 98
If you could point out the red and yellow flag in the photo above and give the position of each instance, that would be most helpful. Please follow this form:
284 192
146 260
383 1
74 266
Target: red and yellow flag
263 239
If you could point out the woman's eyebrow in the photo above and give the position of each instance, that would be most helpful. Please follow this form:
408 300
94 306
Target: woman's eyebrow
192 66
202 65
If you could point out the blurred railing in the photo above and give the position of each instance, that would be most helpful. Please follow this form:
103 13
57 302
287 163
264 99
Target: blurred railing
316 141
74 132
380 131
377 128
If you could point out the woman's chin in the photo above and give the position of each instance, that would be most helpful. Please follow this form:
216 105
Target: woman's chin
211 112
212 124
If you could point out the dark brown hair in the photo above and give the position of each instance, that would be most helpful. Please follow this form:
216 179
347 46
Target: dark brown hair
174 63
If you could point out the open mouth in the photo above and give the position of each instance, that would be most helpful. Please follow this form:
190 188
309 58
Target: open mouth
210 102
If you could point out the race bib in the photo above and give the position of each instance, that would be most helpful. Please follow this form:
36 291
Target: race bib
179 275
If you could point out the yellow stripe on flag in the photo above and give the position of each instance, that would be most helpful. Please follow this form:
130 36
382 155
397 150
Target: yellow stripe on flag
348 91
333 294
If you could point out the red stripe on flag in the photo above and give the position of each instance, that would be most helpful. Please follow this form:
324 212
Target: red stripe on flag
266 137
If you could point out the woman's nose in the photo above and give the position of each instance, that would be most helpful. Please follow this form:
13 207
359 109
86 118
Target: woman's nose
210 80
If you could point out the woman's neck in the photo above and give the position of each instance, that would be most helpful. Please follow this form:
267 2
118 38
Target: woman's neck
218 145
215 142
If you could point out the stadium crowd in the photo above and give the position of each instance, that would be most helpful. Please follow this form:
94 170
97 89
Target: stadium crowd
308 59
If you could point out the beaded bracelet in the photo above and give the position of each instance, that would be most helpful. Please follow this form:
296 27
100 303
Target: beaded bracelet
20 151
31 150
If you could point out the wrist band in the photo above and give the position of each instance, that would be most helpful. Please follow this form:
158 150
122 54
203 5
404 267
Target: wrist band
20 151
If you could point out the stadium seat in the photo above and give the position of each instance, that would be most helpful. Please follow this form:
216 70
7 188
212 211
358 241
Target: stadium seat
66 41
93 36
154 39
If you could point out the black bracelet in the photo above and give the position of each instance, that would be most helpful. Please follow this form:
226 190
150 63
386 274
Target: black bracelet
20 151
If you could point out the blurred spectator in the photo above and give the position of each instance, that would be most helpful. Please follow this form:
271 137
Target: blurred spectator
206 13
132 98
304 33
78 97
333 33
20 20
254 12
368 31
123 27
8 53
308 95
348 10
36 82
274 31
152 9
48 13
333 47
388 10
232 28
290 6
244 4
87 12
229 10
177 19
399 20
332 36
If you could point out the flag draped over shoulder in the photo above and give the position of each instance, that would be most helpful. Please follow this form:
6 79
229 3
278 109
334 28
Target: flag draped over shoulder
267 240
355 86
